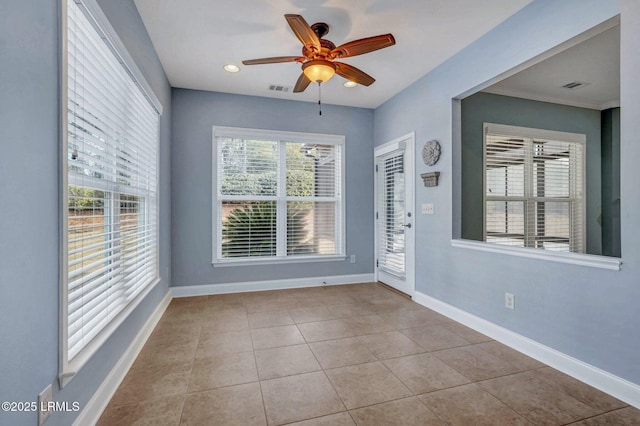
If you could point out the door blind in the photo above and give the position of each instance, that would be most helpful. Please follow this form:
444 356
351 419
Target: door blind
391 214
112 160
534 194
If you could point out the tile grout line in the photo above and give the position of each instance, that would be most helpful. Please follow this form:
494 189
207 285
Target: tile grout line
184 399
255 361
598 415
526 417
329 379
325 374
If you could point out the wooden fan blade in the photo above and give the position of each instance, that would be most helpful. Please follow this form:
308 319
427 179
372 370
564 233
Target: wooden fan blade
303 31
274 60
301 84
353 74
363 45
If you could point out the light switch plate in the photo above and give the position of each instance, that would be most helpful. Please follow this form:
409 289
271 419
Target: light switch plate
427 208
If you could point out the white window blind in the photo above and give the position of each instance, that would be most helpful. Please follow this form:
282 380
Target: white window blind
278 195
112 173
391 229
534 188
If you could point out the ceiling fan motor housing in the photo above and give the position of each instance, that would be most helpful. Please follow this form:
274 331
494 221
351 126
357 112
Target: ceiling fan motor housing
320 28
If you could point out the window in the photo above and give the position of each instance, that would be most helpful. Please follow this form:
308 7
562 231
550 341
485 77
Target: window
534 188
277 195
110 197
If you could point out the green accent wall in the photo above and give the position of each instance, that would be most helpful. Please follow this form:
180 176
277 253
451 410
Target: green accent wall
611 182
490 108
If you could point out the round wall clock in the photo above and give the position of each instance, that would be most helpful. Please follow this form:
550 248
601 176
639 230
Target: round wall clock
431 152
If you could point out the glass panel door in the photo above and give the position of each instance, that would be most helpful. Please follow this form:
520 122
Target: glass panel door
394 209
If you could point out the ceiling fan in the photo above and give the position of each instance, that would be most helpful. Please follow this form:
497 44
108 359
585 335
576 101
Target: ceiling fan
318 54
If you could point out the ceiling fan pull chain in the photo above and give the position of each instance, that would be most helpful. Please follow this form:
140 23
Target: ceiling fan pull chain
319 98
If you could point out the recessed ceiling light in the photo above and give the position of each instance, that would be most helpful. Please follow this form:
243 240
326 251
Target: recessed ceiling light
231 68
350 84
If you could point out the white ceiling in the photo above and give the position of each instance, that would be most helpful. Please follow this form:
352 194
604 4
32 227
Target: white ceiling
595 61
195 38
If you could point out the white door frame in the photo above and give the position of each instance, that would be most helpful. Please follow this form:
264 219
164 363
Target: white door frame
408 141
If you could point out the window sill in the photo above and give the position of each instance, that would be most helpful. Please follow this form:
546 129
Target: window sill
589 260
277 261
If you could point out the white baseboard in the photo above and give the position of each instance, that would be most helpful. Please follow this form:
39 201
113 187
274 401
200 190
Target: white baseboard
100 399
613 385
207 289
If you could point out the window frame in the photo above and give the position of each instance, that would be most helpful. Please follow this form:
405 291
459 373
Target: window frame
68 368
280 137
532 134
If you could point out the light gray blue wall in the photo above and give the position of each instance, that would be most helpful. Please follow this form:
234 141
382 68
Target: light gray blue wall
590 314
29 231
194 114
489 108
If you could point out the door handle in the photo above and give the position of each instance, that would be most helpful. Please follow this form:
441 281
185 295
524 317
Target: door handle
408 225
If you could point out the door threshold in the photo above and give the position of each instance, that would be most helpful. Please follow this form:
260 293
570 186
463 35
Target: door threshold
395 290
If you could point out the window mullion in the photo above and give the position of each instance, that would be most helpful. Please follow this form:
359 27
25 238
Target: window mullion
117 245
573 213
576 193
281 205
529 212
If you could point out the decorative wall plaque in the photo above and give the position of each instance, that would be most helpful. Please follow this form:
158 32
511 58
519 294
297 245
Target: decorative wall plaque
431 152
430 179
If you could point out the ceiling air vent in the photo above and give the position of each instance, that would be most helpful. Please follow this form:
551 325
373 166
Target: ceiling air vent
279 88
575 85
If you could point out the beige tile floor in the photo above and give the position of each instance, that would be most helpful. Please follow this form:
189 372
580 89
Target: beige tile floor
340 355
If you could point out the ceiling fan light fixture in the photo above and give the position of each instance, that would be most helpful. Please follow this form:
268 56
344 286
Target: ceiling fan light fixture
231 68
319 70
350 84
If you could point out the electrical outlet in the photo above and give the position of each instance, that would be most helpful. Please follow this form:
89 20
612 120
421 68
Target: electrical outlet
353 258
44 401
509 301
427 208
